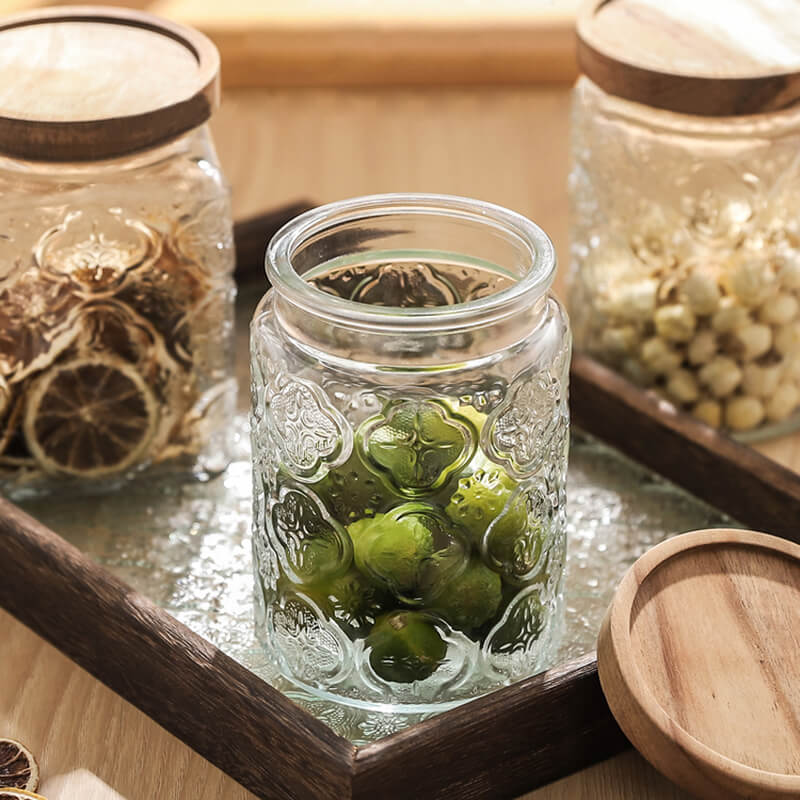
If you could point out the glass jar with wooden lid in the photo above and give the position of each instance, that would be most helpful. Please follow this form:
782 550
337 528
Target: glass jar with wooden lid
116 258
685 198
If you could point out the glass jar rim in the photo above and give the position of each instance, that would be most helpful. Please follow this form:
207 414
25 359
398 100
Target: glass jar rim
290 285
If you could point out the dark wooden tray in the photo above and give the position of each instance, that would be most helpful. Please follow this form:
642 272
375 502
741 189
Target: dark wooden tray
500 745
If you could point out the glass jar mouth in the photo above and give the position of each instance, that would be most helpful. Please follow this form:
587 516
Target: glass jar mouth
524 291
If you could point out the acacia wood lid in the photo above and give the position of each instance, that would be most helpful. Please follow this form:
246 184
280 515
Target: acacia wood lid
694 56
699 659
84 83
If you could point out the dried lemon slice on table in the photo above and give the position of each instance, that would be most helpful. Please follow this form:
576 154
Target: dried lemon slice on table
18 768
90 417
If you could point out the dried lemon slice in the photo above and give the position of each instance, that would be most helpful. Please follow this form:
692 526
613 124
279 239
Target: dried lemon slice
18 794
163 294
18 767
90 417
36 316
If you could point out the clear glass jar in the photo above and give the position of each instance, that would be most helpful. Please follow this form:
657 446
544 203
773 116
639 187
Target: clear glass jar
685 255
116 271
410 435
116 301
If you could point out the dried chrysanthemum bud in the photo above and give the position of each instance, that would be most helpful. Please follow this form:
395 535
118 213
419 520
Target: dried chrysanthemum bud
702 348
787 338
751 341
729 316
721 375
743 413
751 281
682 386
632 302
784 400
789 269
701 293
708 411
618 340
675 322
761 380
779 310
659 356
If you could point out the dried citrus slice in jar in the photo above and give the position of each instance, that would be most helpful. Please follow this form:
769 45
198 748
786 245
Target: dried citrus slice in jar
163 294
36 323
90 418
18 767
18 794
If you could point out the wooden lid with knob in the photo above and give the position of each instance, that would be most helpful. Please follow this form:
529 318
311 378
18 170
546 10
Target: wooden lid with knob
85 83
693 56
699 658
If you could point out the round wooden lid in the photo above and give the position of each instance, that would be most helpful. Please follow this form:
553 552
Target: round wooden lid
81 83
699 657
695 57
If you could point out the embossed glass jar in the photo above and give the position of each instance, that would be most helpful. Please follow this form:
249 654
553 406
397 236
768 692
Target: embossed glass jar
685 195
410 435
116 257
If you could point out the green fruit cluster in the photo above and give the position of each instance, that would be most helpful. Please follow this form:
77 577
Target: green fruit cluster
452 559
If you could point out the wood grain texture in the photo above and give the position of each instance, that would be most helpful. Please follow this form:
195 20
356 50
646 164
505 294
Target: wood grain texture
93 745
523 735
214 704
699 654
394 42
92 103
89 742
673 57
750 487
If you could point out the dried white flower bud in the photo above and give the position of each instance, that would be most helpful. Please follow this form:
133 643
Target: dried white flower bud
779 310
743 413
675 322
631 302
761 380
750 280
619 340
730 316
752 341
659 356
701 293
721 375
783 402
789 269
682 386
791 366
708 411
787 338
702 348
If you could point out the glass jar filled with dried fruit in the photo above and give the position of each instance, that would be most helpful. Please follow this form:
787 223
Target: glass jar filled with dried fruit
116 257
410 426
685 192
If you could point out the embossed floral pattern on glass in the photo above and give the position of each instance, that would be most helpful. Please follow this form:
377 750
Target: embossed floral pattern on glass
409 524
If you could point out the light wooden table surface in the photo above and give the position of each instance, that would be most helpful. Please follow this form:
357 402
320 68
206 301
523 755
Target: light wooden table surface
507 146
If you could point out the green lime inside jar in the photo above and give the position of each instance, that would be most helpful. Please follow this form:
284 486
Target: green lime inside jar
409 440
